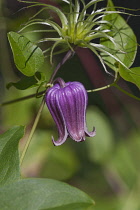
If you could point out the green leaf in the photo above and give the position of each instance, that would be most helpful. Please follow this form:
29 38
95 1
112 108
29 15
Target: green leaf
28 57
100 147
126 44
132 75
9 157
27 82
34 194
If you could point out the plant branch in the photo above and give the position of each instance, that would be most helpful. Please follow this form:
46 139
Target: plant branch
22 98
107 86
32 131
67 56
101 88
125 92
118 87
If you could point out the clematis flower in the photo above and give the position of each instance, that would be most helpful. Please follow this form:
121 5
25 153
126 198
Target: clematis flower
67 104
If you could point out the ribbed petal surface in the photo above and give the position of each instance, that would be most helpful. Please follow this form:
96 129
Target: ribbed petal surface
72 103
67 103
53 106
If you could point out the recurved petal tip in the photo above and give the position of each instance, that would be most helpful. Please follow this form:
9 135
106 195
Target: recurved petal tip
90 134
60 140
80 139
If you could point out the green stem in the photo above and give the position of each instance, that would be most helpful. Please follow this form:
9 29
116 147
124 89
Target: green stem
107 86
101 88
32 131
67 56
22 98
118 87
125 92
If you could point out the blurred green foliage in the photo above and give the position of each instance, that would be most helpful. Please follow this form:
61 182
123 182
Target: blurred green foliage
106 167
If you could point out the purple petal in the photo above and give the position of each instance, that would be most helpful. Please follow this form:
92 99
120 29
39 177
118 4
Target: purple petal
67 103
90 134
60 140
53 106
72 102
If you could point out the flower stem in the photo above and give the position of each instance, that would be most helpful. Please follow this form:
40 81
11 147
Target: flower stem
67 56
107 86
125 92
118 87
32 131
22 98
101 88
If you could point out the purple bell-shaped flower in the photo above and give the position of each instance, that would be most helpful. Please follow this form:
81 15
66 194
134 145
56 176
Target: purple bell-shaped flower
67 103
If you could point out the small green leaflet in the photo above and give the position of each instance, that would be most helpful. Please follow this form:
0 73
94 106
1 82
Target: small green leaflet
9 157
28 57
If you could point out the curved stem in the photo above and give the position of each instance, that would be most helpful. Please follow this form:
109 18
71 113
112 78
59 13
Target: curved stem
67 56
32 131
22 98
118 87
101 88
117 77
125 92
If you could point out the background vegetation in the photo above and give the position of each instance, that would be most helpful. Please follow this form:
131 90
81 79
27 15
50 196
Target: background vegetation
106 167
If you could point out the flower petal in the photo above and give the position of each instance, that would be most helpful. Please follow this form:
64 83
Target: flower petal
67 103
72 102
90 134
53 106
60 140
